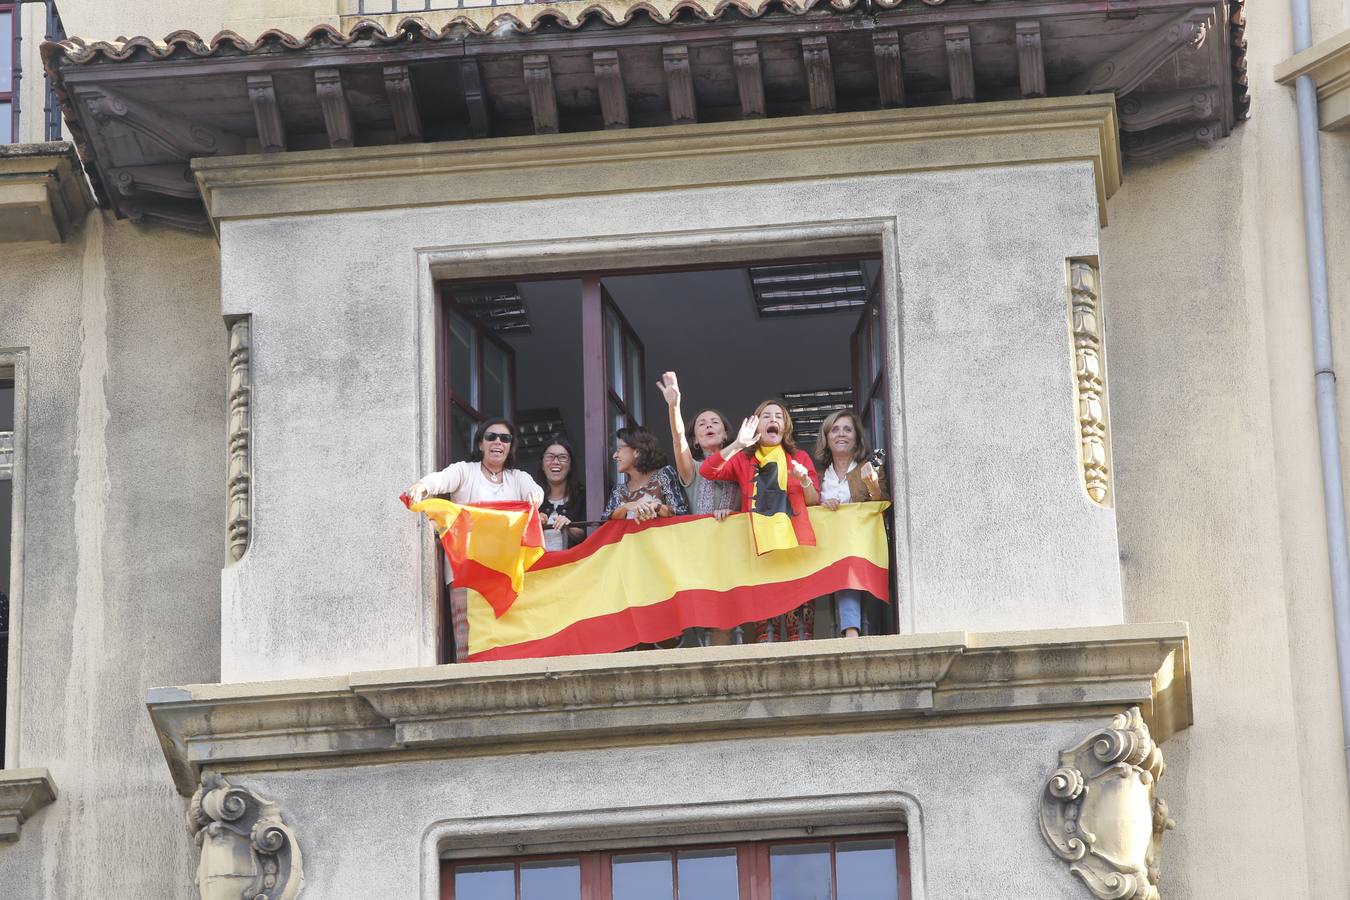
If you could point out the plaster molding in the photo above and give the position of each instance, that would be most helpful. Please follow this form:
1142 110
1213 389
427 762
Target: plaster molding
1328 64
975 135
1100 811
240 475
1089 357
247 850
22 793
628 699
43 192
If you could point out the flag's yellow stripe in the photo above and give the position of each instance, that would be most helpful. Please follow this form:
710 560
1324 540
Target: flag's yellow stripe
651 566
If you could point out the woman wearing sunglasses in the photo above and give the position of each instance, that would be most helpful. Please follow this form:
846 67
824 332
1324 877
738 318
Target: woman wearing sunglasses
489 474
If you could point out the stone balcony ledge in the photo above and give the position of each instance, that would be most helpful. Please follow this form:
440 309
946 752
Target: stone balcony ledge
22 793
947 679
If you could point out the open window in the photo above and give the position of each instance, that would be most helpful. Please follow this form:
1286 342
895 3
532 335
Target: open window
581 356
7 429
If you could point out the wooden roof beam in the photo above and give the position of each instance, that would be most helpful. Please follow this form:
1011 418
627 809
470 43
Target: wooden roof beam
262 96
543 100
890 77
398 87
680 85
749 78
819 73
1142 111
337 114
1030 60
960 63
1128 69
475 97
609 84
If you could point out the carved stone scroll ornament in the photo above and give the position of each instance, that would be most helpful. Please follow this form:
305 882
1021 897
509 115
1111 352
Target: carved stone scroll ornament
1085 317
240 441
1101 814
246 849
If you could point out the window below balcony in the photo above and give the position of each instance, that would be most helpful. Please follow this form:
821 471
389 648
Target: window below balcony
872 867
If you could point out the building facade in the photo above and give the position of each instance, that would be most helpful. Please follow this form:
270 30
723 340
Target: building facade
253 298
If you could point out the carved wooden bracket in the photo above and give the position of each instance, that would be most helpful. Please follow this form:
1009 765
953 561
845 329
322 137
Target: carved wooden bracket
609 83
819 73
475 98
1030 59
960 63
1127 70
749 78
543 101
680 85
240 438
177 135
337 113
1101 814
890 77
262 95
1142 111
246 848
398 88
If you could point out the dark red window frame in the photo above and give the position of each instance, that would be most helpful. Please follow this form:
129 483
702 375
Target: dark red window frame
11 65
752 861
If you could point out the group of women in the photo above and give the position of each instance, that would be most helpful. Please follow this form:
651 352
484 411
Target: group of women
713 474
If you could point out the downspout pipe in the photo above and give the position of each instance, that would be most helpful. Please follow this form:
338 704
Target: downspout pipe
1328 420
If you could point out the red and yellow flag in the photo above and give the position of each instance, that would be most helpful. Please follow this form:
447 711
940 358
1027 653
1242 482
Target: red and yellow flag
632 583
490 545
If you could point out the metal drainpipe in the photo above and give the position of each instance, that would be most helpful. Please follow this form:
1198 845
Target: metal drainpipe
1328 425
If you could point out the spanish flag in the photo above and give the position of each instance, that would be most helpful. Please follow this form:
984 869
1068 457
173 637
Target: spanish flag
490 545
640 582
773 521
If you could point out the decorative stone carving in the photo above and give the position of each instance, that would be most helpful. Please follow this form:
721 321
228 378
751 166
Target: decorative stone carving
240 455
1129 68
246 849
1100 811
22 793
177 135
1090 379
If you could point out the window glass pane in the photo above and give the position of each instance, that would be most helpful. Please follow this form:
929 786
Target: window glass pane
875 328
709 875
865 870
463 360
643 876
614 355
496 381
800 872
635 384
554 879
6 123
617 420
485 882
6 52
462 426
6 406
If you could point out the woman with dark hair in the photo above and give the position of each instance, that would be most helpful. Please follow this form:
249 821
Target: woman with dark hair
564 495
708 433
841 452
650 488
490 474
773 476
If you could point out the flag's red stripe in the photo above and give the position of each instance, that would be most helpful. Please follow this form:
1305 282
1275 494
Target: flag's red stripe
707 608
493 585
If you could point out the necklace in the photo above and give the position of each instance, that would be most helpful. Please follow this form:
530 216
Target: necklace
491 477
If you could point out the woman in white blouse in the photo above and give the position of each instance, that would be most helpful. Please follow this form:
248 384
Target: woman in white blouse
846 477
489 474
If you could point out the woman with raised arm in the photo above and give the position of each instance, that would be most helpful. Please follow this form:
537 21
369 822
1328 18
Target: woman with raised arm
841 453
649 487
564 495
752 461
706 435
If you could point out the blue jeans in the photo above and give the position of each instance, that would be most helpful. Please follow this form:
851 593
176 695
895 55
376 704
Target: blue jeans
848 610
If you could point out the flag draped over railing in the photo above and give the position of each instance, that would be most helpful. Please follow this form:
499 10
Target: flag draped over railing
640 582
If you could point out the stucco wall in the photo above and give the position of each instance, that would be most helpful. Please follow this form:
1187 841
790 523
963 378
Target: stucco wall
1218 482
122 541
998 532
362 830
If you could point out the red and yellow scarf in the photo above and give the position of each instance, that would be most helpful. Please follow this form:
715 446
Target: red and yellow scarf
773 522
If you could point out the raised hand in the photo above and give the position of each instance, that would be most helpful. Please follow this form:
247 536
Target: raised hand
669 386
749 432
868 473
798 470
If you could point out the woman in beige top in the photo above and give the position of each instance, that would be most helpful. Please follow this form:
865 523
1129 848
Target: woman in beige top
490 474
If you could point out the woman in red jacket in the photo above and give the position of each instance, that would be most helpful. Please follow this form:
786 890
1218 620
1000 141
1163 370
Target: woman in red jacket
777 483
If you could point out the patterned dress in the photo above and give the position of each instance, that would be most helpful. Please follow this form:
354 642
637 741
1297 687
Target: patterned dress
664 485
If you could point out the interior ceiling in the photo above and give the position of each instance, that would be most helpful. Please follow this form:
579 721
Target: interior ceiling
702 325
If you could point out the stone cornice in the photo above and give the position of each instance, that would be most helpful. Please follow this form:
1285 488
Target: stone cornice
1328 64
1068 129
670 696
22 793
43 192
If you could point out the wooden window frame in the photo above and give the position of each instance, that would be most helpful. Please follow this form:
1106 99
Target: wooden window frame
14 8
752 864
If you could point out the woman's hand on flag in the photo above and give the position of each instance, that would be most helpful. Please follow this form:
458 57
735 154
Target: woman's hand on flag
418 492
